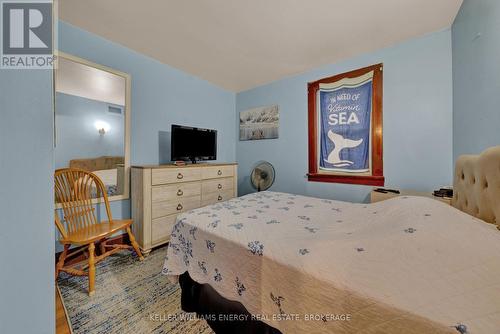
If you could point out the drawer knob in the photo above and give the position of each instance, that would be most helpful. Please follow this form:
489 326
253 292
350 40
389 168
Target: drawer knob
219 186
180 176
219 198
180 192
179 207
219 172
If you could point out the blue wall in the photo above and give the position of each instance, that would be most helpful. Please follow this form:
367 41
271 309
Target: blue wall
26 202
77 136
161 96
476 77
417 121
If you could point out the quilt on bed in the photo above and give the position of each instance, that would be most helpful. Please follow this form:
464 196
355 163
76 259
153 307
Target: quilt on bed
307 265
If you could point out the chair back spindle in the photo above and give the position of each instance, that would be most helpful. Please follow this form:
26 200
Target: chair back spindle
76 190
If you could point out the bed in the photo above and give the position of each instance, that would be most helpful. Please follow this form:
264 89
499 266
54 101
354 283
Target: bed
296 264
110 169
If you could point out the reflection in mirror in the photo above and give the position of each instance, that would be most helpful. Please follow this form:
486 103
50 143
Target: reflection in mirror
90 122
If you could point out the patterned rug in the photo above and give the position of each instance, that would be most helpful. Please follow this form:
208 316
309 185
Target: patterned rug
131 297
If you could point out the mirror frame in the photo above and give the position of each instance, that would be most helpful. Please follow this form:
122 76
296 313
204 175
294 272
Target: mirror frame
127 77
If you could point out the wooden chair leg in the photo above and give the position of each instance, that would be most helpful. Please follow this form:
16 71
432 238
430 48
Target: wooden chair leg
62 257
91 269
134 244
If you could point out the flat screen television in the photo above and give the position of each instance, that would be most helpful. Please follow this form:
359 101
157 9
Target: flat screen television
188 143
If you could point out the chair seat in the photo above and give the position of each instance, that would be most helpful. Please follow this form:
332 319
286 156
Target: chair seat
95 232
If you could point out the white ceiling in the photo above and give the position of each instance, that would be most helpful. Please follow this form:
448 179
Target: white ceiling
81 80
240 44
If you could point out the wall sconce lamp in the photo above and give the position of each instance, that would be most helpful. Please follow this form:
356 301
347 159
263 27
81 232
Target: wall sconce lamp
102 127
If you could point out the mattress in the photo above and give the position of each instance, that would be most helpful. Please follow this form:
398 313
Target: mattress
109 178
308 265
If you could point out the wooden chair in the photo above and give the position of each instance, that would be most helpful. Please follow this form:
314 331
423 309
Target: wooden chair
76 190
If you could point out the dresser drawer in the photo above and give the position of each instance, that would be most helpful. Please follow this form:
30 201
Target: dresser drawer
161 228
217 185
165 208
174 191
221 196
175 175
217 171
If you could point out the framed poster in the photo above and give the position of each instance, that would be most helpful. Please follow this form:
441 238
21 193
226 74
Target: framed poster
345 128
260 123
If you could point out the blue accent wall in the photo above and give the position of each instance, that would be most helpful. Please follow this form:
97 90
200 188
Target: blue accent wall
77 136
476 77
161 95
417 121
26 202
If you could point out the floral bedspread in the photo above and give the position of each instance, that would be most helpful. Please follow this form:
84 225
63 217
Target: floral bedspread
308 265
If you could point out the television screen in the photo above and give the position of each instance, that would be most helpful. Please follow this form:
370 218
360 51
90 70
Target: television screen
188 143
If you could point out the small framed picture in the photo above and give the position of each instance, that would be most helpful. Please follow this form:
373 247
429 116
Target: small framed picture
259 123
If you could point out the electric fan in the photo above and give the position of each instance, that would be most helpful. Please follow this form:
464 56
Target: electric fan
262 177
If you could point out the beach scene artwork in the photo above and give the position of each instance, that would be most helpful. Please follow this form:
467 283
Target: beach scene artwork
259 123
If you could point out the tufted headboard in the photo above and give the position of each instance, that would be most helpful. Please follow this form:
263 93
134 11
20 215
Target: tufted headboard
100 163
476 185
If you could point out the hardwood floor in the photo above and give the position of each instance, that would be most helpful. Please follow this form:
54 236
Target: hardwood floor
62 326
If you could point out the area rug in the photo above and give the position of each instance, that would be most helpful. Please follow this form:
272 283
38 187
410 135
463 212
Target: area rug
131 297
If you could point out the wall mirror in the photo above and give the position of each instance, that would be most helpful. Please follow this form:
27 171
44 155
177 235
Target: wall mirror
92 122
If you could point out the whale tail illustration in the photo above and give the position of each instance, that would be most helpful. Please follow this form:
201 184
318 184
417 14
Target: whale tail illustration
340 143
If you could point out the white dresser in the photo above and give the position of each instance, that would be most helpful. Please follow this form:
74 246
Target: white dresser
161 192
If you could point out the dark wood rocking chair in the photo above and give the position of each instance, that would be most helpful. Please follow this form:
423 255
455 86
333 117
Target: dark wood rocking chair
78 192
